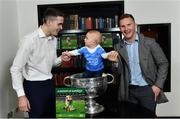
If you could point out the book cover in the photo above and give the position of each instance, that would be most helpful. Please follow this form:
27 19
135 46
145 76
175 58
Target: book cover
107 40
69 41
70 102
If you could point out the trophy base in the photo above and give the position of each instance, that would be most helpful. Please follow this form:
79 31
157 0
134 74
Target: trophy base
93 108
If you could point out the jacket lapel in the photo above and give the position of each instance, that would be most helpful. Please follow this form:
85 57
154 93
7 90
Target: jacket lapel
122 51
143 53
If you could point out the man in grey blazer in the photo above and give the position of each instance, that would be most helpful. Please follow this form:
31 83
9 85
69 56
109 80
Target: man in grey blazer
140 66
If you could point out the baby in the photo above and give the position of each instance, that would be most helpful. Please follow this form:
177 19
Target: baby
93 53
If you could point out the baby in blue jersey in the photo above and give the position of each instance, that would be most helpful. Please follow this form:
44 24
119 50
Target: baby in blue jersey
93 53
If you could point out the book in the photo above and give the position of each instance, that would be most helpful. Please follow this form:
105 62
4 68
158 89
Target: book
70 102
89 23
74 21
67 22
69 41
116 21
83 23
100 23
107 40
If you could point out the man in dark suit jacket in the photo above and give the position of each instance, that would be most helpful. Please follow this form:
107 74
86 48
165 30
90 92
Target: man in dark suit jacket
140 66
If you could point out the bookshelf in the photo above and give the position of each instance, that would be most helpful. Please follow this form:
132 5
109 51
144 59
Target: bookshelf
79 18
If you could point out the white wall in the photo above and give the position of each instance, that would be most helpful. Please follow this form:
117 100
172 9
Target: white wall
27 16
163 11
24 20
8 41
0 53
68 1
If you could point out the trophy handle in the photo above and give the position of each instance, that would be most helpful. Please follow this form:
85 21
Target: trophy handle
111 76
64 81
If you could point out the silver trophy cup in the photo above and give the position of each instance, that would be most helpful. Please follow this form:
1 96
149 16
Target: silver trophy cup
93 86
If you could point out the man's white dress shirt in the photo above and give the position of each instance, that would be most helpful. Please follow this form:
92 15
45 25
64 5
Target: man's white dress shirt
34 59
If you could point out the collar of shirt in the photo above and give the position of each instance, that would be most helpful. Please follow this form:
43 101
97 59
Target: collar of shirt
94 49
128 43
43 35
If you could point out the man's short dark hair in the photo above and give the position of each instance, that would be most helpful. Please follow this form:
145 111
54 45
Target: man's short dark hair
51 14
126 16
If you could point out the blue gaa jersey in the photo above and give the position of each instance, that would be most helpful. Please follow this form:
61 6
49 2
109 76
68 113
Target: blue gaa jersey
94 60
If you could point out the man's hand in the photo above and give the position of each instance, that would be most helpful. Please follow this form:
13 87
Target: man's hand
156 91
66 56
113 56
24 104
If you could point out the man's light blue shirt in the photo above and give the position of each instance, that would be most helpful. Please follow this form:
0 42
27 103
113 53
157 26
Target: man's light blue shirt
133 59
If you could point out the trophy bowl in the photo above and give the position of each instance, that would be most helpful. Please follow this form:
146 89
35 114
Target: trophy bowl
94 87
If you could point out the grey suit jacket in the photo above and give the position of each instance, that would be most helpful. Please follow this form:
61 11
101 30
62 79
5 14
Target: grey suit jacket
153 63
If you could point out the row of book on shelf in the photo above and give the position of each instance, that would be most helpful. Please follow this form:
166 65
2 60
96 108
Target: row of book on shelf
73 41
78 22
